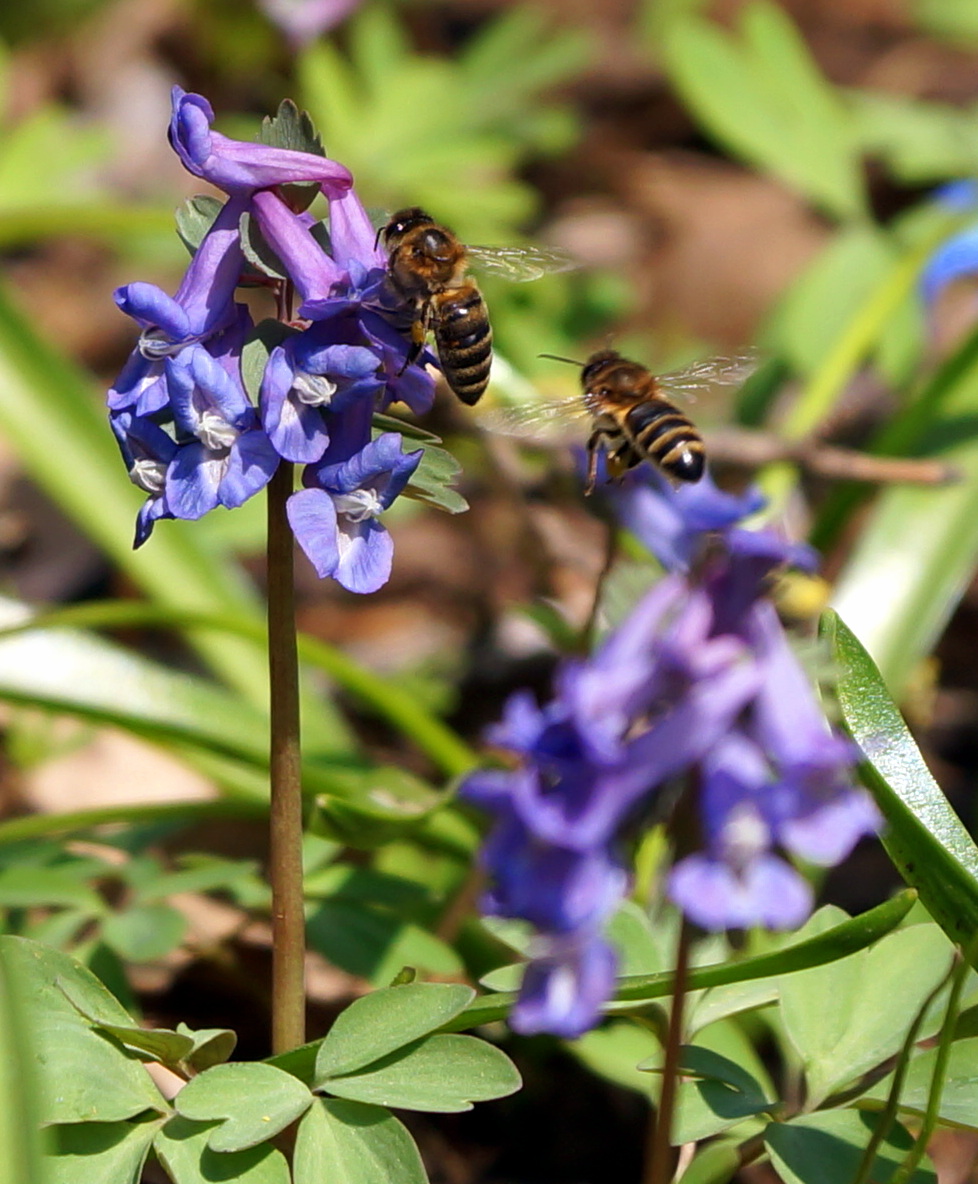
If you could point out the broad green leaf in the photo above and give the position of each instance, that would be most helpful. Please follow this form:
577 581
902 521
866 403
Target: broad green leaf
100 1152
384 1021
716 1163
20 1123
616 1049
839 1028
827 1148
144 932
924 837
920 142
630 931
762 95
182 1147
445 1074
349 1143
720 1094
959 1092
255 1101
195 218
721 1002
82 1075
27 887
208 874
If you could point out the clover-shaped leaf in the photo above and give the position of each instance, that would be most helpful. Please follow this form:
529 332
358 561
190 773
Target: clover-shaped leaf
254 1102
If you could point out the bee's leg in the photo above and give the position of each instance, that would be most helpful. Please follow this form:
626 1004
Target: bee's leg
419 331
594 443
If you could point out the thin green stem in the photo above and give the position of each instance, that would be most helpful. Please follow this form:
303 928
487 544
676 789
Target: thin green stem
285 819
889 1112
932 1113
661 1164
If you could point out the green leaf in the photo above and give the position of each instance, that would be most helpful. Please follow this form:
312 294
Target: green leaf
721 1094
926 840
30 887
145 932
716 1163
182 1147
20 1121
722 1002
291 129
374 943
616 1049
764 97
83 1076
839 1029
956 20
445 1074
837 942
350 1143
100 1152
920 142
195 218
255 1101
95 679
827 1148
438 471
158 1044
959 1094
212 1046
384 1021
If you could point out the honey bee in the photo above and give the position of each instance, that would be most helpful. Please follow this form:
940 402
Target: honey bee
631 416
428 267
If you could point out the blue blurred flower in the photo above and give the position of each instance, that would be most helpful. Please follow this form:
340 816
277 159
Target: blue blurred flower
957 256
698 689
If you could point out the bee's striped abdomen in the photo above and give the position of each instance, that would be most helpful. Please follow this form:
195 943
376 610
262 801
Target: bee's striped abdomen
464 339
662 432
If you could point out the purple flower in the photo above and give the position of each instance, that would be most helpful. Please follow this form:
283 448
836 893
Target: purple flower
147 452
239 167
670 521
228 457
697 689
202 308
334 518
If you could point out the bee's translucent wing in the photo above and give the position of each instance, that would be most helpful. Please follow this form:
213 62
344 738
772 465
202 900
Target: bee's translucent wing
520 263
721 371
546 421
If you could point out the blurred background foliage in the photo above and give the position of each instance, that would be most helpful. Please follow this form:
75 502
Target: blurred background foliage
727 173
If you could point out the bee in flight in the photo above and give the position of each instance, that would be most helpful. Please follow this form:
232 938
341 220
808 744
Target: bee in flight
631 416
428 267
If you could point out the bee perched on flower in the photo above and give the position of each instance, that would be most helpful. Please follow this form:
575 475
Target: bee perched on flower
193 435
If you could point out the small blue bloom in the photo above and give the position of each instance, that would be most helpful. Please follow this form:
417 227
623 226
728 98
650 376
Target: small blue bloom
334 518
306 382
147 452
227 457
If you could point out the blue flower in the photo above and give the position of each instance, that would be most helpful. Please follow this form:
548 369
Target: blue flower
147 451
334 518
698 688
957 256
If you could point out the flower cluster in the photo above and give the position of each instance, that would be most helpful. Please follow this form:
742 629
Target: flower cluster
191 437
697 689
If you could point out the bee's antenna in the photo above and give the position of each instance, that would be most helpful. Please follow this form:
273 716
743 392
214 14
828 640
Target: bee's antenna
380 231
558 358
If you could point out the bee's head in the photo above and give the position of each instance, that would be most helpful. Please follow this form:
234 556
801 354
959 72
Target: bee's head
596 363
401 222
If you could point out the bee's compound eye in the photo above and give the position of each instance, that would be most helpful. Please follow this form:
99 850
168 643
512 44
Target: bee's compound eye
434 242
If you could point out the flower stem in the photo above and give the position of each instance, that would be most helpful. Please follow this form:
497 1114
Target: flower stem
661 1163
285 850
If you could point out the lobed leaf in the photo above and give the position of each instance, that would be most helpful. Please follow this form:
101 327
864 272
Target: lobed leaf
350 1143
182 1147
384 1021
252 1102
